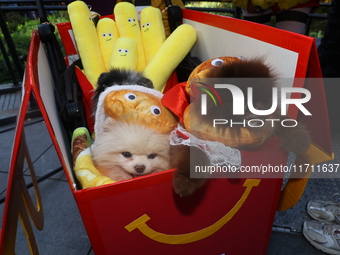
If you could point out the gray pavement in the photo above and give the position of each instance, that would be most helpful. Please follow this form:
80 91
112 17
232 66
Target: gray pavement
64 231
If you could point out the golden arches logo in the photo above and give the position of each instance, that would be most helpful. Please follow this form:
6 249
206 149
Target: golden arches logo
140 223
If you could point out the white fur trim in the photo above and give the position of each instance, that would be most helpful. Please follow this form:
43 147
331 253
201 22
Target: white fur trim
101 116
85 152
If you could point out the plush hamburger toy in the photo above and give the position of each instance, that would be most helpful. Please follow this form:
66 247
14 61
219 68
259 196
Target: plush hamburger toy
134 104
220 106
236 136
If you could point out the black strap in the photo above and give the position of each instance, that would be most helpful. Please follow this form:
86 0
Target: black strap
262 19
174 15
142 2
168 3
55 56
292 15
189 63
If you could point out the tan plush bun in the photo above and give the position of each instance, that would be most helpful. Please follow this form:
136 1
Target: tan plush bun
139 110
202 69
243 138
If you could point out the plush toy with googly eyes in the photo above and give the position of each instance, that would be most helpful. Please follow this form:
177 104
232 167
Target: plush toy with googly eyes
152 31
203 69
128 26
124 54
85 35
107 33
134 104
219 106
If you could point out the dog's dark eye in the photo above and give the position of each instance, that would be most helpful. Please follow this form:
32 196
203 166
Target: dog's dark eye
127 154
152 156
155 110
130 96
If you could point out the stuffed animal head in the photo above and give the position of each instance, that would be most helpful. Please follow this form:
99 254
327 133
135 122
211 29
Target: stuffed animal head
134 104
203 69
219 104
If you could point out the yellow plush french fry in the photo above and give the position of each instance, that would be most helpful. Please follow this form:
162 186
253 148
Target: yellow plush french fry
152 31
127 23
85 34
172 52
107 33
86 172
124 54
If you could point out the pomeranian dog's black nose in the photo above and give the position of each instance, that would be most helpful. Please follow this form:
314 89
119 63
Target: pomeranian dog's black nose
139 168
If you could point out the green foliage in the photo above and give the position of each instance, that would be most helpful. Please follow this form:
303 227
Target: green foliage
210 4
13 20
227 5
317 28
21 30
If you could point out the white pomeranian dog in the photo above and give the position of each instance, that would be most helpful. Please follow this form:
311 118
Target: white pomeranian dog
123 151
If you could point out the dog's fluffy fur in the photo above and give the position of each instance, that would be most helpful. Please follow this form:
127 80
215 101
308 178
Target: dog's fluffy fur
116 77
181 157
124 150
